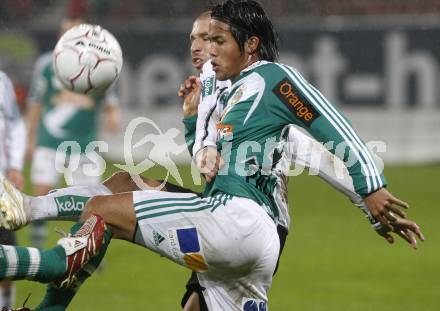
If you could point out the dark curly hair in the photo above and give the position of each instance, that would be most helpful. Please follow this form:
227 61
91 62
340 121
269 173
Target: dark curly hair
247 18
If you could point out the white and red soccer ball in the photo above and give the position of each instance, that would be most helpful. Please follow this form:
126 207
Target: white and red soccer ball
87 59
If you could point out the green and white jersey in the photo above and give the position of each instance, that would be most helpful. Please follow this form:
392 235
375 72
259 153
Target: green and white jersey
12 128
263 100
212 103
65 115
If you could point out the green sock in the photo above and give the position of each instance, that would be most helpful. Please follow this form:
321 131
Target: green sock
27 263
57 299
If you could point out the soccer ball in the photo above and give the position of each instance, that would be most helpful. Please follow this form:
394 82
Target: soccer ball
87 59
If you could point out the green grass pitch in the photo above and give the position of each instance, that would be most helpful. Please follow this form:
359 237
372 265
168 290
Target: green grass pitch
332 259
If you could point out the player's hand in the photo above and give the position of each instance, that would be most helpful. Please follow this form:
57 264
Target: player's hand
384 207
406 229
16 177
209 162
189 90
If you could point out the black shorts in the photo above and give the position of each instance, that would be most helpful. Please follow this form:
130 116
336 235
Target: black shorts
7 237
193 284
169 187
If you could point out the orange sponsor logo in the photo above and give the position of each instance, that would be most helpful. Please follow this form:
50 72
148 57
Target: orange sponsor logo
195 262
301 108
225 131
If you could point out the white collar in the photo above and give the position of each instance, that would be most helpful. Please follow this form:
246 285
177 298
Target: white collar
254 65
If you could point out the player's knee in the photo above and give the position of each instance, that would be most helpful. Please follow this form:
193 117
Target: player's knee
121 176
193 303
119 182
95 206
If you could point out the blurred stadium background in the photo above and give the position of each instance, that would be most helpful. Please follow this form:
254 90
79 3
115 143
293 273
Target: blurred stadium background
378 61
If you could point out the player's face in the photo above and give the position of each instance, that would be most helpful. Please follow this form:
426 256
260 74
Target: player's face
200 42
227 60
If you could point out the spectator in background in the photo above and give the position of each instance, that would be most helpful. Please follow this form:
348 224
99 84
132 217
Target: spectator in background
56 115
12 149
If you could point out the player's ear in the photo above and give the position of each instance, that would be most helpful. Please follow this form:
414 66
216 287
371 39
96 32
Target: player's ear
251 44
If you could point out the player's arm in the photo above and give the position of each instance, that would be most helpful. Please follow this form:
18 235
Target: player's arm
15 135
34 105
305 106
112 112
33 114
206 128
190 131
200 128
205 154
311 154
189 91
306 152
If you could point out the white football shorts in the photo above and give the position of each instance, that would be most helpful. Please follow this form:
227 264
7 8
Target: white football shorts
229 241
48 166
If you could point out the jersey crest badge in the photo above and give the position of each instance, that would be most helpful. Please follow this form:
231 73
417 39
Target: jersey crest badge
237 96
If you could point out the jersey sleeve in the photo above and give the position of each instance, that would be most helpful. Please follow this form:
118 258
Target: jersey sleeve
206 126
309 153
15 144
39 83
298 102
190 132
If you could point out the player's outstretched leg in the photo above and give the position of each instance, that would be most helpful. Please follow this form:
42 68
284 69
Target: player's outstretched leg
117 211
119 216
18 209
81 247
58 299
58 264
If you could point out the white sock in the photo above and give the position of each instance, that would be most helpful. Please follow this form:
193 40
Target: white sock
62 204
7 296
